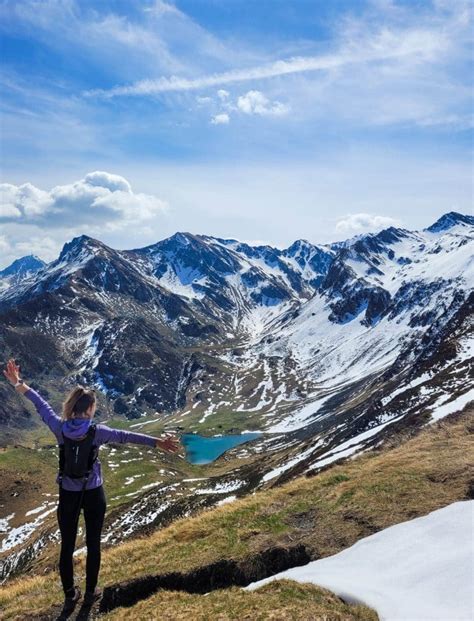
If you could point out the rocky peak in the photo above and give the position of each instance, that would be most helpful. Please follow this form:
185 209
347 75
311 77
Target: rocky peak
78 247
22 266
299 248
448 220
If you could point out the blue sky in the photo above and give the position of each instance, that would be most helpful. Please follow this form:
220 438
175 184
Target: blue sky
263 120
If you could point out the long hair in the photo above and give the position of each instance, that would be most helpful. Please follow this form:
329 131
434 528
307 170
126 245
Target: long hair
78 401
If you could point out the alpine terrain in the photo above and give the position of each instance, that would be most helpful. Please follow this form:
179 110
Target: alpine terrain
327 350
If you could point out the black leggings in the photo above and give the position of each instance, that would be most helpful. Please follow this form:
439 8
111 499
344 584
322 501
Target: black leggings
94 505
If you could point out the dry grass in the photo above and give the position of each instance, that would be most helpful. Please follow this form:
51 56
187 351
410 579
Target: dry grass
327 512
278 600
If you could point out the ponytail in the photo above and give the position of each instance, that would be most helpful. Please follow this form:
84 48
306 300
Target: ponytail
77 402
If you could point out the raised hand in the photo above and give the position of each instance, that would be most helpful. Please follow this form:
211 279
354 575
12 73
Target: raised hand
12 372
169 444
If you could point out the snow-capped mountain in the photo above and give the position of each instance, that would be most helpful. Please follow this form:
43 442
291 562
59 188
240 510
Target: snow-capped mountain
19 270
386 342
238 280
310 340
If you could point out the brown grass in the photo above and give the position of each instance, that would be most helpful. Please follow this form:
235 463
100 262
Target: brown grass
279 600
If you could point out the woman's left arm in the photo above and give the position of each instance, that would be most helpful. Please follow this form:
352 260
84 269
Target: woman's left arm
121 436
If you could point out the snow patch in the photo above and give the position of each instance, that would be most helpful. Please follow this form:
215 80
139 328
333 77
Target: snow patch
417 570
224 501
442 408
221 488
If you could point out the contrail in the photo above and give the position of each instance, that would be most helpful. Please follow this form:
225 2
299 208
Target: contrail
384 46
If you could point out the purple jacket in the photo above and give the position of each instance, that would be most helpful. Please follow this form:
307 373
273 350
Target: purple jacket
103 435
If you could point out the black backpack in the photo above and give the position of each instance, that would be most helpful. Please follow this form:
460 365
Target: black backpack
76 457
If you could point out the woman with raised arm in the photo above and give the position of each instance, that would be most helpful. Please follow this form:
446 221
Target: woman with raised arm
76 434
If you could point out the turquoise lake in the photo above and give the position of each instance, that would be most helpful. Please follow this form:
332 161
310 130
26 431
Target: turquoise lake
202 450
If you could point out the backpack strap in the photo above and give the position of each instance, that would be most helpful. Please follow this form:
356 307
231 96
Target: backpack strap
94 452
62 459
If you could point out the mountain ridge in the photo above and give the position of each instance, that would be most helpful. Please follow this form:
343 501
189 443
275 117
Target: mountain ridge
200 293
446 221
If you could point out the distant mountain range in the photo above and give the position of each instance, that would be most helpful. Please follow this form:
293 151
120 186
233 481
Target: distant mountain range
334 339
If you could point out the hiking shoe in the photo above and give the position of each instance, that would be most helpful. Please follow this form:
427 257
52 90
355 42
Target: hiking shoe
90 597
70 601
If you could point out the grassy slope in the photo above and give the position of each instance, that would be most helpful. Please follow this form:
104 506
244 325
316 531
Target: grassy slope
282 599
327 512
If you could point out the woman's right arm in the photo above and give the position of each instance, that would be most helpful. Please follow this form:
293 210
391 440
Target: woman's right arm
48 415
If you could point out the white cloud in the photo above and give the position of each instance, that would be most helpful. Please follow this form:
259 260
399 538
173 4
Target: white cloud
220 119
101 198
43 246
255 102
4 245
203 100
24 200
251 103
160 8
7 208
106 180
356 223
